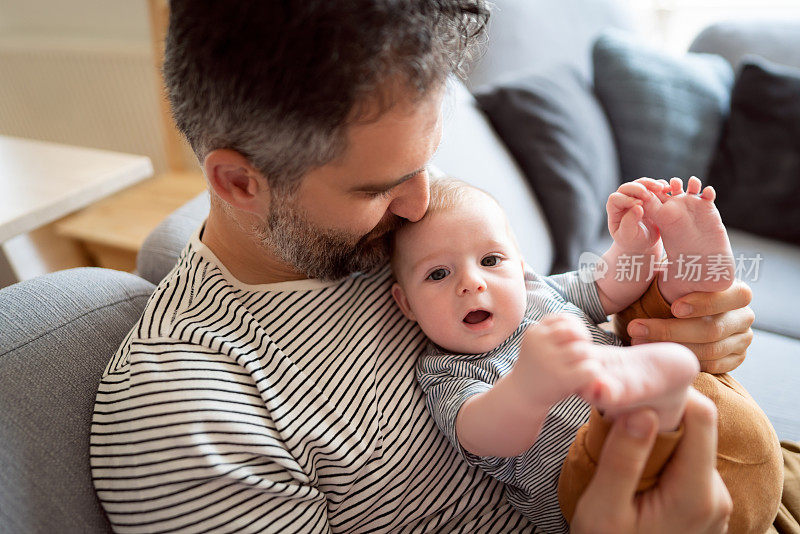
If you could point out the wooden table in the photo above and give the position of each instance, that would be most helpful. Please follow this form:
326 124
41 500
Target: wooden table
113 230
41 182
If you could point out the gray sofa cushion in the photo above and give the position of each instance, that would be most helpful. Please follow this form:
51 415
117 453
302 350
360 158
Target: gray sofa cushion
58 333
560 137
756 169
774 279
665 111
537 34
160 250
769 373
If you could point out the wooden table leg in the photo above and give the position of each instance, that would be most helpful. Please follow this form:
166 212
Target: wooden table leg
39 252
7 274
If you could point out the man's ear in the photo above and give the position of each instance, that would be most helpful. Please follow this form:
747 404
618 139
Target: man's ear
236 181
402 302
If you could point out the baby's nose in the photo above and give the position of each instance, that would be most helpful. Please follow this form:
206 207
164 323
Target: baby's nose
471 283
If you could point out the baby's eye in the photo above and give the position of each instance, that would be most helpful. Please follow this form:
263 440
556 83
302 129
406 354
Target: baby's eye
438 274
491 261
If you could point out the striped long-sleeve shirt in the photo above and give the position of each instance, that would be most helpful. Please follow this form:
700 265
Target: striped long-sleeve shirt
290 407
448 380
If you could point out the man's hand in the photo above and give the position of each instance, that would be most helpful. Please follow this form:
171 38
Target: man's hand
690 496
715 326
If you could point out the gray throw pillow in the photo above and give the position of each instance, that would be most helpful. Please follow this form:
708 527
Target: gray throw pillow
756 170
553 126
666 111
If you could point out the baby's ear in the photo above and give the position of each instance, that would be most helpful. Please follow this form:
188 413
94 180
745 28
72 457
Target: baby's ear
402 302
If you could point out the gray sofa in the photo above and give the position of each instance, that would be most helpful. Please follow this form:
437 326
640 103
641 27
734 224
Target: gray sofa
57 332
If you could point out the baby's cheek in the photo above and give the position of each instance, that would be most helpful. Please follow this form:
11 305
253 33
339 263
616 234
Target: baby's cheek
437 324
426 314
517 300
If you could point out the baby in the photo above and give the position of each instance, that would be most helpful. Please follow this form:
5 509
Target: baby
515 357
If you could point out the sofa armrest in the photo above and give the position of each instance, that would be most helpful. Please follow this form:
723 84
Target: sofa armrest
160 251
57 334
775 40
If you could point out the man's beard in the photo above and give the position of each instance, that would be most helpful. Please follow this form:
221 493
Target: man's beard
321 252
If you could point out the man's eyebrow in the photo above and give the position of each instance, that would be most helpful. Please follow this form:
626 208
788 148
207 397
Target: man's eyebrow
374 188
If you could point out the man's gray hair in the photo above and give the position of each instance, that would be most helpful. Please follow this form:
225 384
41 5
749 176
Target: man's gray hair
279 81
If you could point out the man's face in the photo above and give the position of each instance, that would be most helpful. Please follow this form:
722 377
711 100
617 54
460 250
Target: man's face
337 221
460 276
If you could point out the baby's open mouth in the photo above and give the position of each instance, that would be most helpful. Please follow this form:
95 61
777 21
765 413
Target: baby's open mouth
476 316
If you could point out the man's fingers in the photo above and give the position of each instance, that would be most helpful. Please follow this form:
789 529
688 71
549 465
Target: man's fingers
694 330
717 357
725 505
712 354
726 364
691 472
623 457
695 455
713 351
702 303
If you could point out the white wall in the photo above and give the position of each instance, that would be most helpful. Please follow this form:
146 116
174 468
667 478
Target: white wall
81 72
125 20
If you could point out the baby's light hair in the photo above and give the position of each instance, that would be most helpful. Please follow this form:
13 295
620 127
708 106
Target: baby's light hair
446 194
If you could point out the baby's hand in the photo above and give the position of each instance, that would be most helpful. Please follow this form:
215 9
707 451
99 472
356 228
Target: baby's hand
627 211
555 361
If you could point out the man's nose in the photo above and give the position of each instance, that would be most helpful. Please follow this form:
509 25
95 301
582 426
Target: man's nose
471 282
412 198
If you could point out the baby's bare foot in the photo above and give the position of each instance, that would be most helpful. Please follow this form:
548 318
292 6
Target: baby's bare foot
655 375
555 360
699 256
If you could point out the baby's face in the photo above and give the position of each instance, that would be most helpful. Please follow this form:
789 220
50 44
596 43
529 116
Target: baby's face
460 276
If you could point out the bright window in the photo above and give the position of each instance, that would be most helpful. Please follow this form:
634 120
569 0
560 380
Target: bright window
672 24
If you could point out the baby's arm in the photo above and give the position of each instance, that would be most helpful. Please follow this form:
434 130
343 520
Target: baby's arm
553 364
635 251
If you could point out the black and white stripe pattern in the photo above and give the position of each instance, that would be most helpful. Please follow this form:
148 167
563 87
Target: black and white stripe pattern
285 408
448 380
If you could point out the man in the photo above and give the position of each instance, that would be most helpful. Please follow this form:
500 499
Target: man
269 385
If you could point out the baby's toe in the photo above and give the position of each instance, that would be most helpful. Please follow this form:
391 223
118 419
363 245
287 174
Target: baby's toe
608 392
708 194
676 186
694 185
565 328
568 333
650 183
